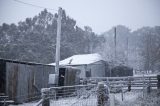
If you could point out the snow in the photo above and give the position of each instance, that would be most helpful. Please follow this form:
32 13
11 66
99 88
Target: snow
138 88
72 101
26 104
141 75
80 59
92 101
128 97
133 98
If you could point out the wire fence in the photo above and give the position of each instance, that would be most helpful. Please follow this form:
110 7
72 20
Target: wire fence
30 97
78 95
89 94
131 81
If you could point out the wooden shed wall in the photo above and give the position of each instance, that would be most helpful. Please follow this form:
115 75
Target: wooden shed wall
98 69
70 77
83 70
2 77
24 82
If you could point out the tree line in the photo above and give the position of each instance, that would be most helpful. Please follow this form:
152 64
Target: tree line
139 49
34 40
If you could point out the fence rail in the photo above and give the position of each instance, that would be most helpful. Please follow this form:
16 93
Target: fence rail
80 95
133 81
77 95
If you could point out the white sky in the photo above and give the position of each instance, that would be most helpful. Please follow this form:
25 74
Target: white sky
101 15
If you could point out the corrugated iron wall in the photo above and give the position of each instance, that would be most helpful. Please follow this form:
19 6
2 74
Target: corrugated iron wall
70 77
2 77
24 82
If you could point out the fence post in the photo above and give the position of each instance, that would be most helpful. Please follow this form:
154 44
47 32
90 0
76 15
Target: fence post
122 94
149 86
102 94
158 83
45 96
129 84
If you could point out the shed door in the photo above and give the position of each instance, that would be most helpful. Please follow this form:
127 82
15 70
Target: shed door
61 76
88 73
2 77
70 77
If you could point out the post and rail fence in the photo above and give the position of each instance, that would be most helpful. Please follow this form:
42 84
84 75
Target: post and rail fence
77 95
133 82
91 94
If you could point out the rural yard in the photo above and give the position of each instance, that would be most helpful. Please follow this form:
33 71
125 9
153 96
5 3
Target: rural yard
79 53
133 98
87 95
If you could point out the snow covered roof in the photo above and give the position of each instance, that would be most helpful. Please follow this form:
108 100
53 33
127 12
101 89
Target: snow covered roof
80 59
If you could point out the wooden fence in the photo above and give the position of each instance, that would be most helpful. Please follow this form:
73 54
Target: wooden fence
130 81
115 82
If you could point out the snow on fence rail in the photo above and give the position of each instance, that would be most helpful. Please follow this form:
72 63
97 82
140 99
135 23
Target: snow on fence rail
77 95
133 81
80 95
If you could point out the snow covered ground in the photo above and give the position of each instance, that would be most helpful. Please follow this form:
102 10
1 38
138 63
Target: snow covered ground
72 101
134 98
128 98
145 75
75 102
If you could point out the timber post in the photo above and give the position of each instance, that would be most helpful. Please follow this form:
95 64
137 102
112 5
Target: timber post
45 96
129 84
102 94
149 86
158 83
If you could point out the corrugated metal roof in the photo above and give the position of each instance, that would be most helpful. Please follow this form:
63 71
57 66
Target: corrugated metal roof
80 59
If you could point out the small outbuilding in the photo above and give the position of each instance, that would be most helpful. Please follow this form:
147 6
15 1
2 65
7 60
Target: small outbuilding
120 71
22 81
91 65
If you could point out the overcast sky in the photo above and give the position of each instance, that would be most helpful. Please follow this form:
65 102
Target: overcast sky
101 15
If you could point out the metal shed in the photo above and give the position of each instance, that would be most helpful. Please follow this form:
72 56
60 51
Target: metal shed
68 76
22 81
91 65
120 71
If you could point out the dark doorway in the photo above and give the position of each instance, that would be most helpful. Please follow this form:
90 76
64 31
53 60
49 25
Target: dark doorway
120 71
88 73
2 77
61 76
61 79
